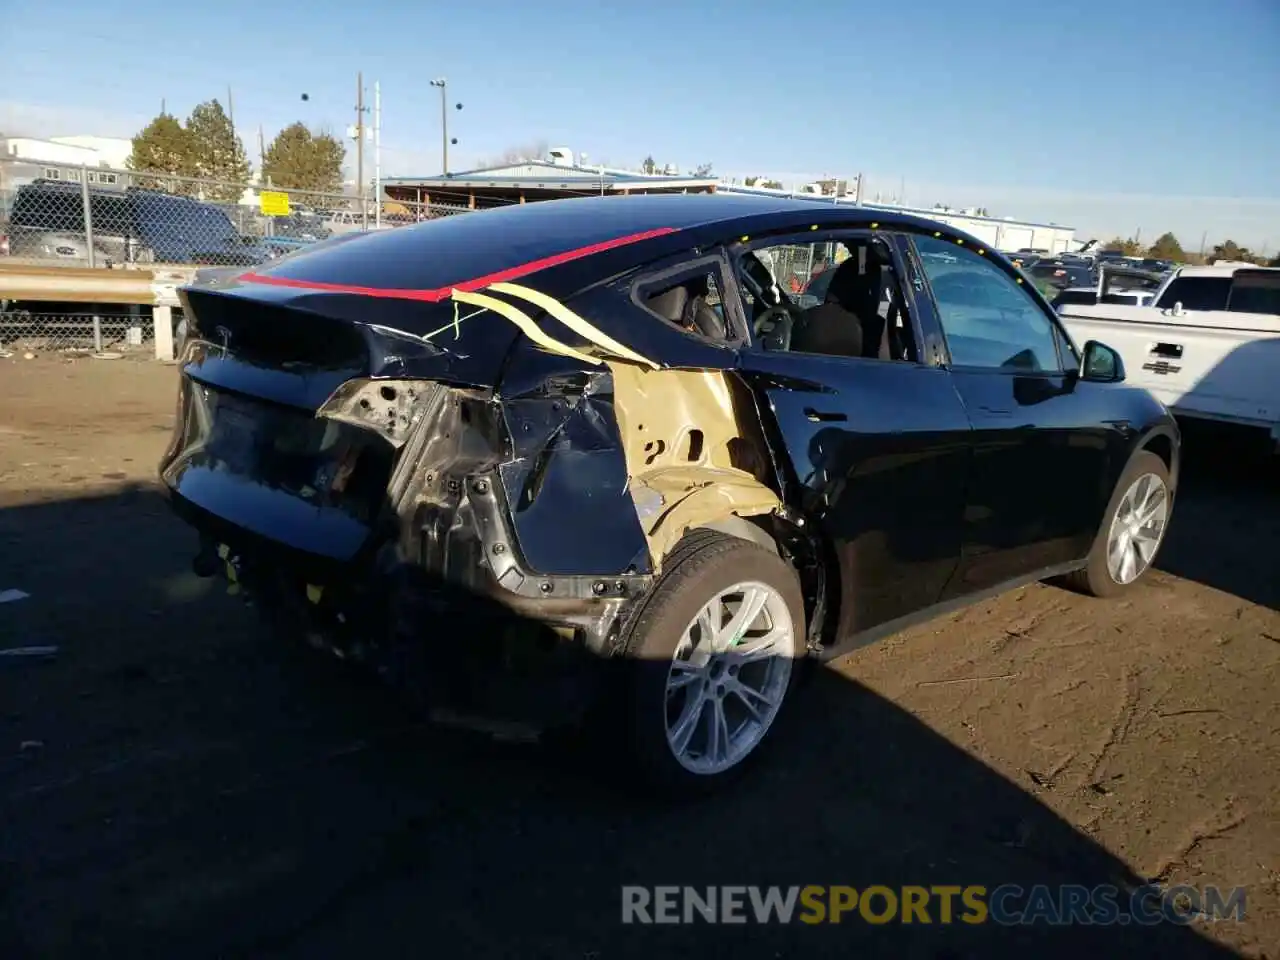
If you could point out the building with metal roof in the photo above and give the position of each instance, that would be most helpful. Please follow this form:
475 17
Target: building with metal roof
559 177
535 180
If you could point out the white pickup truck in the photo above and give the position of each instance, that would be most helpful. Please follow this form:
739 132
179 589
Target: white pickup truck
1208 345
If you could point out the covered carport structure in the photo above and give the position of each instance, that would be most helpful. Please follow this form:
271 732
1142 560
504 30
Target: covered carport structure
532 181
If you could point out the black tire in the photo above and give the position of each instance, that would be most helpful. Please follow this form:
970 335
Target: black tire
1094 578
702 565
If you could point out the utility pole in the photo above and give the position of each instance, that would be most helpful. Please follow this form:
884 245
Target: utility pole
364 213
377 154
262 159
231 110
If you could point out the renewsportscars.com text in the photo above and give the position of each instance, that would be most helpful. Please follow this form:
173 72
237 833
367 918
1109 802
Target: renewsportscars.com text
1008 904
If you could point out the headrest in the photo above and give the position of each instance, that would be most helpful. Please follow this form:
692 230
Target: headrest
851 285
670 304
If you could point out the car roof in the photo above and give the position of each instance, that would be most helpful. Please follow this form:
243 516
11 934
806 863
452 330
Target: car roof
602 236
1226 269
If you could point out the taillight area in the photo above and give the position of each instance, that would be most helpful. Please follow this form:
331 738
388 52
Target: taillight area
390 408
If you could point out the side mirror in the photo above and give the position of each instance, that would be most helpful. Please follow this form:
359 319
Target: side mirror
1101 364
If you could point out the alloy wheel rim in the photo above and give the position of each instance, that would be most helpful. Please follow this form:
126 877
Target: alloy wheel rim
1137 528
728 677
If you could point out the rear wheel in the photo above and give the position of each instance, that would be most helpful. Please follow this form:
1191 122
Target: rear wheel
1132 530
710 661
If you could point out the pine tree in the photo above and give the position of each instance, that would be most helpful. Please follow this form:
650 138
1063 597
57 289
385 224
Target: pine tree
301 160
162 146
217 153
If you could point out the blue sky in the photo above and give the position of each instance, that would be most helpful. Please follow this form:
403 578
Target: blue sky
1139 115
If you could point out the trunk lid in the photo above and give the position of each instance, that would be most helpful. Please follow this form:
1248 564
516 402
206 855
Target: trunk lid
296 347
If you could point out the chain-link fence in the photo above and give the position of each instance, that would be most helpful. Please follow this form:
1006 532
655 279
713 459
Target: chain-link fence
793 265
24 331
103 217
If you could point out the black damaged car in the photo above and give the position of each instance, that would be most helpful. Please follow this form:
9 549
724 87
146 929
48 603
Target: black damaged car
586 461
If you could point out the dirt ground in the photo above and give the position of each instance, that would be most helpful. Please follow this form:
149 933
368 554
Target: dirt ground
175 784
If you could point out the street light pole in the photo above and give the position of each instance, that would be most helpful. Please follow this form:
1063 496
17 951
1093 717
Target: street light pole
442 83
364 213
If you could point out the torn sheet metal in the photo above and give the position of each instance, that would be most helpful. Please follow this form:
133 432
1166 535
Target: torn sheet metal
565 471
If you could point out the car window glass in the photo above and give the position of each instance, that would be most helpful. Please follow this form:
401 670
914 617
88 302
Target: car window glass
988 318
1197 293
691 301
49 208
1255 293
832 297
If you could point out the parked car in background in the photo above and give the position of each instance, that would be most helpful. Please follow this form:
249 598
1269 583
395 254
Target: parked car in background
1089 295
300 224
1105 256
1208 343
58 245
128 226
589 461
1123 286
1058 274
347 221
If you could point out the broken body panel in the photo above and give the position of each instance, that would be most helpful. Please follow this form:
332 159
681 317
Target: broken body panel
337 446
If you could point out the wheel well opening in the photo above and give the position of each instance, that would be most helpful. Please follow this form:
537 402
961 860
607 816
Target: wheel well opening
813 559
1162 447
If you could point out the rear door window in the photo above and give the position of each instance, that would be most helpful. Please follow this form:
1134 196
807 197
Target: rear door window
1197 293
49 208
1255 292
112 214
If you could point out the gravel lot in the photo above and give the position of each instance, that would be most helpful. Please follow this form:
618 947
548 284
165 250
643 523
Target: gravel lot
174 784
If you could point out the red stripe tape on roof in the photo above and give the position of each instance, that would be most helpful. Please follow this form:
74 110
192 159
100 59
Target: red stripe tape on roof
476 283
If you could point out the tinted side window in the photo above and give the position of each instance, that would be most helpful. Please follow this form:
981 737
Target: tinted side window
689 300
1068 297
1197 293
989 320
111 213
49 208
1255 293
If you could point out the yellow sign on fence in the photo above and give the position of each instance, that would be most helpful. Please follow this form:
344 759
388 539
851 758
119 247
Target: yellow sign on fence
273 203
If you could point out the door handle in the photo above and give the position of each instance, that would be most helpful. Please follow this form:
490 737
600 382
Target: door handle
1170 350
824 416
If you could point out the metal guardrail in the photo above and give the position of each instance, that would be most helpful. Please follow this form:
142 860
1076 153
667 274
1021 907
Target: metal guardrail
154 287
29 283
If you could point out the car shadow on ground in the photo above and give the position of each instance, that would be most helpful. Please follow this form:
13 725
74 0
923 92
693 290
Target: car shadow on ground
1225 530
174 783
